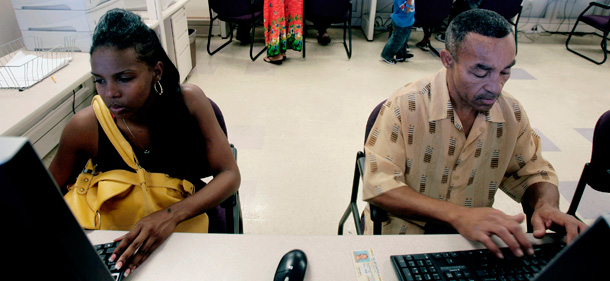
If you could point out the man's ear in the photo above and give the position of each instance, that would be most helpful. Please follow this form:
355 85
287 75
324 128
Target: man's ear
447 59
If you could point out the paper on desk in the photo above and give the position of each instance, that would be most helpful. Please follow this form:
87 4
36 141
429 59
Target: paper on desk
366 266
23 70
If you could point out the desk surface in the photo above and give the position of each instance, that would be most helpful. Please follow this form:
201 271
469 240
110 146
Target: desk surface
20 110
186 256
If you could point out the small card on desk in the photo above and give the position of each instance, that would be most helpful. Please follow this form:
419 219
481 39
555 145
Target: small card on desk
365 265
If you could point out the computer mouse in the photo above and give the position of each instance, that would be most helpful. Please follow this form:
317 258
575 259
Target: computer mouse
292 267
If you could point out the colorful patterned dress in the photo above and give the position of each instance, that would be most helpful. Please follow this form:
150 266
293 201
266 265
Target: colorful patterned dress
283 26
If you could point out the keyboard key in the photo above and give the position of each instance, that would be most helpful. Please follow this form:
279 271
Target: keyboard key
420 257
407 274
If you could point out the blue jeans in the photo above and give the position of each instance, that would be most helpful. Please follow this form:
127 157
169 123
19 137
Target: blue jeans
397 44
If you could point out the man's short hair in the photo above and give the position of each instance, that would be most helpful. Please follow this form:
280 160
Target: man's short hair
485 22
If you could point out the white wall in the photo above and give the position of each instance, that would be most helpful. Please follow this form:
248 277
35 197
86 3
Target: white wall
8 22
197 9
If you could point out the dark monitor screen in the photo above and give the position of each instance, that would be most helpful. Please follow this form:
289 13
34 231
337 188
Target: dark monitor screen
41 237
585 259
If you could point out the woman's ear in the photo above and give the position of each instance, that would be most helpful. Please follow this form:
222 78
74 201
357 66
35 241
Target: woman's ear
158 70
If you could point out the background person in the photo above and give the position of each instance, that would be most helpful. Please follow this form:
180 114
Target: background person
283 21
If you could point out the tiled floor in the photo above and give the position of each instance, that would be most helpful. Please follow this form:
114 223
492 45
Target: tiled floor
298 126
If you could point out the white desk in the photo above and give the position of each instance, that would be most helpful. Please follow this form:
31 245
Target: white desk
216 257
25 113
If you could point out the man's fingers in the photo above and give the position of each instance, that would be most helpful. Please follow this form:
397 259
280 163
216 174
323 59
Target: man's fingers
491 246
515 239
518 218
539 226
573 229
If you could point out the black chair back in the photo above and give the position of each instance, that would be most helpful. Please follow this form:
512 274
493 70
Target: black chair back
371 121
234 9
600 156
330 11
595 174
226 217
431 13
378 215
334 11
506 8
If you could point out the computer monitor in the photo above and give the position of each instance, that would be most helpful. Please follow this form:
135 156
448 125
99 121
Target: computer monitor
41 237
585 259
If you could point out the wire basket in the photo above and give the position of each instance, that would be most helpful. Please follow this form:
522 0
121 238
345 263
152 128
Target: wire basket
21 68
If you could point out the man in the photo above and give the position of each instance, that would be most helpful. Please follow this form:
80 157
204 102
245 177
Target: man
443 145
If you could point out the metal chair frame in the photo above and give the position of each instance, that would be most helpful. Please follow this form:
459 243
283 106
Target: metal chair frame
605 29
253 22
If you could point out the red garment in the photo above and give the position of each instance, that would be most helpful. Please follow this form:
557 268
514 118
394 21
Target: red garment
283 21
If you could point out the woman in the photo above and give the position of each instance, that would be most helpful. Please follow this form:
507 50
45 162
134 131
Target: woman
171 127
283 21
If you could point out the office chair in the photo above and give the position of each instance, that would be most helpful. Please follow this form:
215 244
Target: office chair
226 217
509 9
599 22
377 215
241 12
430 14
596 173
336 11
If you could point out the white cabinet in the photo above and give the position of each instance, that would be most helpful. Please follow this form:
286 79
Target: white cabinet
45 134
53 21
178 47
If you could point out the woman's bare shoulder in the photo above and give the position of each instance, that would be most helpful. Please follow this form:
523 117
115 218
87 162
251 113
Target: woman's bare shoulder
82 131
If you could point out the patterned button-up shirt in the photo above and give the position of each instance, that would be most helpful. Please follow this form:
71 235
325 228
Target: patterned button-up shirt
418 142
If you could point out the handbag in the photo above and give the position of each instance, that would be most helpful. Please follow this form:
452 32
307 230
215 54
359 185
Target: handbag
118 199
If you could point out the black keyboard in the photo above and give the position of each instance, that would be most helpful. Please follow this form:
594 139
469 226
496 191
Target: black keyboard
474 265
105 251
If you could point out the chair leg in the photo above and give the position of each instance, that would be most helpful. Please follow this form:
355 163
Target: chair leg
304 35
580 188
603 45
517 24
376 228
433 49
516 47
352 208
253 28
347 26
223 45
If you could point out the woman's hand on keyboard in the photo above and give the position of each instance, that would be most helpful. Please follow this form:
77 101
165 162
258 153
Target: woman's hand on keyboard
146 236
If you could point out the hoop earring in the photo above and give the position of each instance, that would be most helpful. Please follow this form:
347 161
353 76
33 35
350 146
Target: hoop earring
158 87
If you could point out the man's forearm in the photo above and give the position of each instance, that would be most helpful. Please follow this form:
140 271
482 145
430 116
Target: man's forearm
540 194
408 204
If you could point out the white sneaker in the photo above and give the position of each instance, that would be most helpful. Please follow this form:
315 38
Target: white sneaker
392 61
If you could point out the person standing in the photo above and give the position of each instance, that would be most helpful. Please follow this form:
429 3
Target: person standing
403 18
283 22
